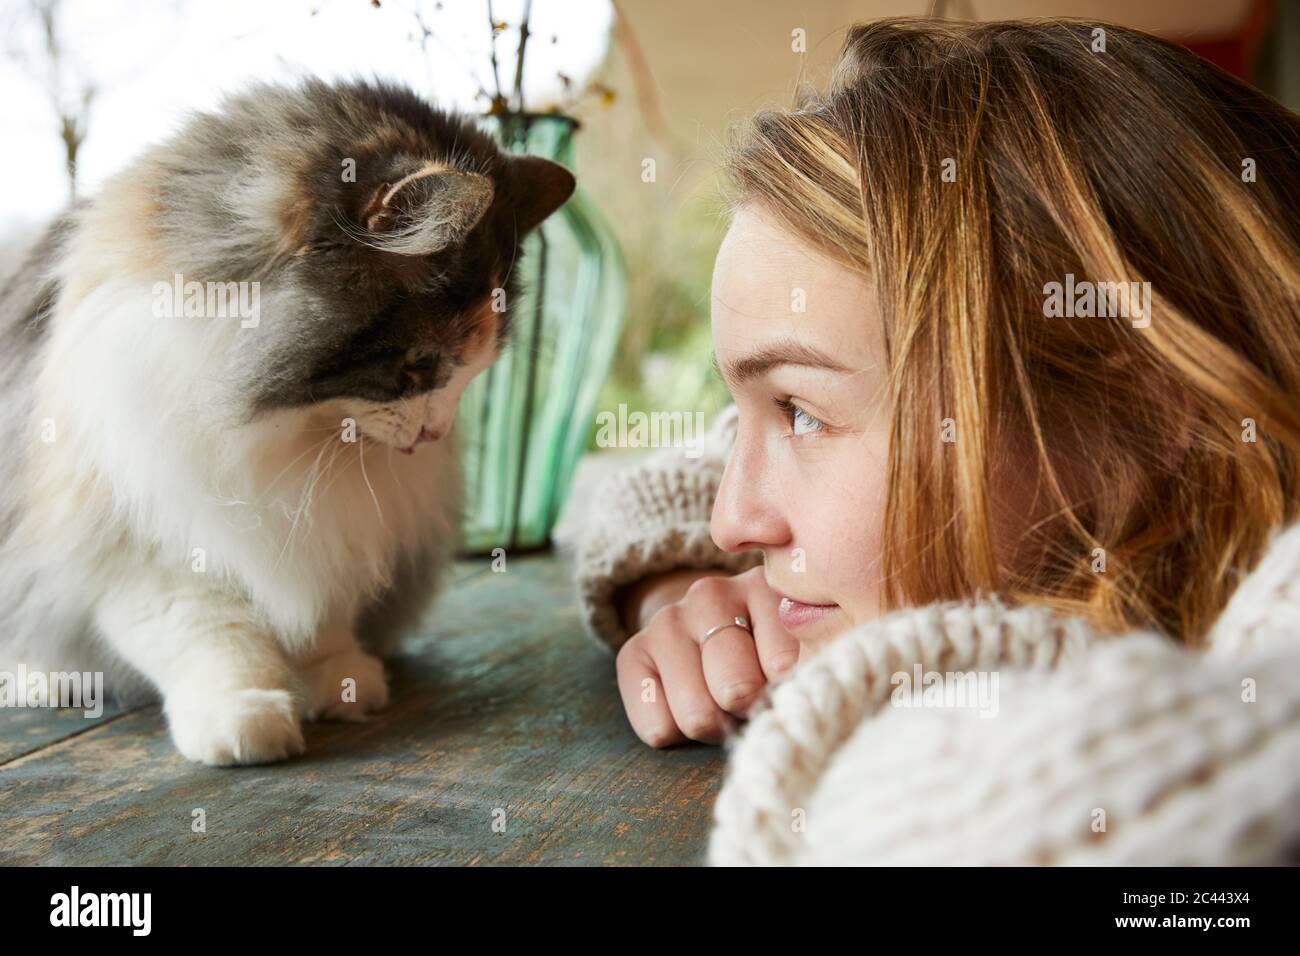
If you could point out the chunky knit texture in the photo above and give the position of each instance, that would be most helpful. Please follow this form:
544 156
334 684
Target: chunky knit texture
1123 751
1120 750
653 518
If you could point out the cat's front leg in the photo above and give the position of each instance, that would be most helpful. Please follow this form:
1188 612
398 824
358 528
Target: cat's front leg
342 681
226 683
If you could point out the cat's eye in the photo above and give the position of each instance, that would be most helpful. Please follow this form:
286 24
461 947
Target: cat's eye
419 372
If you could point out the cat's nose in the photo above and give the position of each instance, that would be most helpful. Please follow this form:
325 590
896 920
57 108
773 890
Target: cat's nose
426 434
442 426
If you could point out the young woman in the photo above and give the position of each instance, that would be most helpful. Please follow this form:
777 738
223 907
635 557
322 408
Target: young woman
1011 318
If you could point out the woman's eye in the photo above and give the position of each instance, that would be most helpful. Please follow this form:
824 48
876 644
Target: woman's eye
801 423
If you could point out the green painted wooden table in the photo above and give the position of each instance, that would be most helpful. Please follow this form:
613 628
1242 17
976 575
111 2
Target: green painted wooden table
505 743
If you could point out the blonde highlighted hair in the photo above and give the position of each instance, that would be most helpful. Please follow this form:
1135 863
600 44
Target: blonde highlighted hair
965 167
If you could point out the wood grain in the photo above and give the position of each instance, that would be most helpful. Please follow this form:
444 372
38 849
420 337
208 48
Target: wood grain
503 711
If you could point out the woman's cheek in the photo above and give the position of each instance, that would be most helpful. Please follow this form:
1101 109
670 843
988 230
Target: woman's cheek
848 529
820 521
868 527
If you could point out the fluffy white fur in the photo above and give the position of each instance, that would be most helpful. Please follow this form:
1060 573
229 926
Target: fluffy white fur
160 521
297 528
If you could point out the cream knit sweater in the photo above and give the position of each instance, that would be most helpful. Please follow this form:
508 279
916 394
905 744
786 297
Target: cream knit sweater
1125 750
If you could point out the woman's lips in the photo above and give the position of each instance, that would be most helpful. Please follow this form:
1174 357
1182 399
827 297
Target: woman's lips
795 614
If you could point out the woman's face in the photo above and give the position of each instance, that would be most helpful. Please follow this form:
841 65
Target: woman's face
797 337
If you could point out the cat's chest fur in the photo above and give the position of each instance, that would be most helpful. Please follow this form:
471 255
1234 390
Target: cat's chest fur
303 514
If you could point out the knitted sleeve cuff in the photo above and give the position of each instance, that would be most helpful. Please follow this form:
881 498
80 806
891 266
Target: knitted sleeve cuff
625 562
650 519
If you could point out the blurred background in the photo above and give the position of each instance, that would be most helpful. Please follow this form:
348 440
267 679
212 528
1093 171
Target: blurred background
86 83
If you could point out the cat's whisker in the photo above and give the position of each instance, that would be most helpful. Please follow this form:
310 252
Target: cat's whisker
397 482
304 501
307 451
361 455
514 254
326 489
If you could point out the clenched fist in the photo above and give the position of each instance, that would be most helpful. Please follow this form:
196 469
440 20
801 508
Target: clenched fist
675 689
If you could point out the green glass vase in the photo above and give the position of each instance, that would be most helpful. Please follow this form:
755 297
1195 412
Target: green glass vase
524 422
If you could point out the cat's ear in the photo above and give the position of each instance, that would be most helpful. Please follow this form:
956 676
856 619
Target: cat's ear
541 187
427 210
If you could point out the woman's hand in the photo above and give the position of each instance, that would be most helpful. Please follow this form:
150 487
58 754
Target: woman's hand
676 690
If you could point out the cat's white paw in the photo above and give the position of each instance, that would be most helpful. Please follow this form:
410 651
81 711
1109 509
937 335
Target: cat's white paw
243 726
349 685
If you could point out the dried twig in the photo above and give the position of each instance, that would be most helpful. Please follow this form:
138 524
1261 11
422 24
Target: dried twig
519 62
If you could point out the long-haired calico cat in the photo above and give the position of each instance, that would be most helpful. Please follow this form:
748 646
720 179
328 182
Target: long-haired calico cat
229 382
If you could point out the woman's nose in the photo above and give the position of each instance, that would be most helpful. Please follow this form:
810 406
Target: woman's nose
746 515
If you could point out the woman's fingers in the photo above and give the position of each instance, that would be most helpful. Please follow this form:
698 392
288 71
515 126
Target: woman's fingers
730 661
675 689
732 671
641 687
677 658
777 651
662 684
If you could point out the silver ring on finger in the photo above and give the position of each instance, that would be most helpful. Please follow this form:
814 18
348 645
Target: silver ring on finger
736 621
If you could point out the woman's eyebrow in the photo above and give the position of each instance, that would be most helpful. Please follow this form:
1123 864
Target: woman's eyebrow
781 352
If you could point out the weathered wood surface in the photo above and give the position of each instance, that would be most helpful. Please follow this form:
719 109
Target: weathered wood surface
502 710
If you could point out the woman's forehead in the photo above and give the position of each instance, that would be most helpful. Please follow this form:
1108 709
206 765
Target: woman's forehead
768 282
